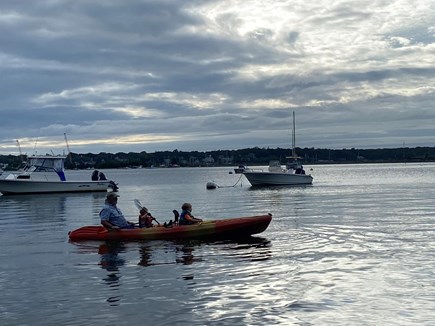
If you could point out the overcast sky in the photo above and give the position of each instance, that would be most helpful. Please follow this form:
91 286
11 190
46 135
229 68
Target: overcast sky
131 76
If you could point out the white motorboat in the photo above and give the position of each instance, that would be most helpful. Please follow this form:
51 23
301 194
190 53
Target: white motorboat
46 174
276 175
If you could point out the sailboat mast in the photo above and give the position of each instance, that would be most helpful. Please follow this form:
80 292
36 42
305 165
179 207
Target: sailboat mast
294 137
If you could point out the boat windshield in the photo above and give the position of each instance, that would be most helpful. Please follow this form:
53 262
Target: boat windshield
35 168
45 163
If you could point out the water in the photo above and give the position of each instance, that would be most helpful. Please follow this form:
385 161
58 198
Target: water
355 248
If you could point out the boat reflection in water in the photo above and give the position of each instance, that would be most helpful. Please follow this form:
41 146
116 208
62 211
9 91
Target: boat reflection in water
49 208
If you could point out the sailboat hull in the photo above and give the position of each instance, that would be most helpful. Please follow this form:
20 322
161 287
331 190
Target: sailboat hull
261 178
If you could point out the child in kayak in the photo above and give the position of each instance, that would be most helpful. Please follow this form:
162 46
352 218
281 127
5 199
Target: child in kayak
145 218
186 217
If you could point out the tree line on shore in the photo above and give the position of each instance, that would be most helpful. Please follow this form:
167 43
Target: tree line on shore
247 156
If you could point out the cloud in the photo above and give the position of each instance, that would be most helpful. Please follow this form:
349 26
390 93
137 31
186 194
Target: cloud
187 75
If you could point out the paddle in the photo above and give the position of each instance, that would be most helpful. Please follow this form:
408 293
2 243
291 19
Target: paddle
140 206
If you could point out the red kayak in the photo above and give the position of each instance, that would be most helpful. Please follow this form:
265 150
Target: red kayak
227 228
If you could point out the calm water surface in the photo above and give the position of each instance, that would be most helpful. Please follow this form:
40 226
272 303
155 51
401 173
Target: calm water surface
355 248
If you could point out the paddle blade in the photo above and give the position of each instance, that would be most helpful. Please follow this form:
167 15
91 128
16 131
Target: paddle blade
138 204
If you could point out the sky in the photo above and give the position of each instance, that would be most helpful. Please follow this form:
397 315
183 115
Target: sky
138 75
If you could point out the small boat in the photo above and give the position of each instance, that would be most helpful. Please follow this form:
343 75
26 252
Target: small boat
46 174
276 175
231 228
240 169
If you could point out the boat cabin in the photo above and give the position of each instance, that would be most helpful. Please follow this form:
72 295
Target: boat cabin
42 168
275 166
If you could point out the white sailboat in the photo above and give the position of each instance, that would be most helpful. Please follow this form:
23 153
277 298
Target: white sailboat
276 175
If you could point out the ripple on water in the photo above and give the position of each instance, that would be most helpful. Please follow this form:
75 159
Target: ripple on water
356 247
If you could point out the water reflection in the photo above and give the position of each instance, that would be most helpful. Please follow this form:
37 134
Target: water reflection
340 250
153 253
187 257
278 187
251 249
145 256
118 258
51 207
41 207
110 260
97 201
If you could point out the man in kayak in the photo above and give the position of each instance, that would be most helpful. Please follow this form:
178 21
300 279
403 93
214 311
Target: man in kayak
186 217
111 216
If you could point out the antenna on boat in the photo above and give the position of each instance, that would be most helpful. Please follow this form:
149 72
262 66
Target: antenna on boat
19 149
36 142
67 147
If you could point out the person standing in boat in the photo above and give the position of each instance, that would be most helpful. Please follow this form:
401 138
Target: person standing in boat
111 216
101 176
186 217
94 176
300 169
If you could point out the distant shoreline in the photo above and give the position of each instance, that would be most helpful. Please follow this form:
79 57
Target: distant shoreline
248 156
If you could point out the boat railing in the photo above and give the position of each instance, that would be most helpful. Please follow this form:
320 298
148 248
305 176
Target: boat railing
254 170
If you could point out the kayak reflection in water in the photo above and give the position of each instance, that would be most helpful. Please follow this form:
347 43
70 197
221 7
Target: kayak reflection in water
110 259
